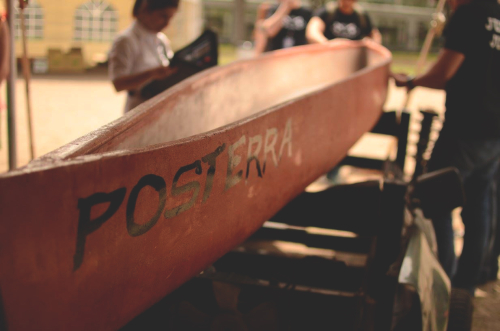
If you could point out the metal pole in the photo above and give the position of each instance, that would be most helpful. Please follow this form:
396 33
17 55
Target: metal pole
239 21
27 74
11 89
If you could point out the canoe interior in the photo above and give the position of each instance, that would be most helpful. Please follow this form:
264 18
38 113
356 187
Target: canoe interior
216 98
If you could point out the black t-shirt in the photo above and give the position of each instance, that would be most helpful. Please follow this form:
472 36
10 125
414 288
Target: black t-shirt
473 94
355 26
293 32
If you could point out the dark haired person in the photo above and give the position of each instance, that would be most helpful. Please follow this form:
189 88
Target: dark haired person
284 25
343 19
468 68
141 53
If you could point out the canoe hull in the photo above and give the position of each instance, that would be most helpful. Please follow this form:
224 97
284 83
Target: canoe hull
92 241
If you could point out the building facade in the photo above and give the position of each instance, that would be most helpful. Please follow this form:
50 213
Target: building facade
83 30
91 25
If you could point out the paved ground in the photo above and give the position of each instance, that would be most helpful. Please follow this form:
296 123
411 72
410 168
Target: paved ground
64 108
67 107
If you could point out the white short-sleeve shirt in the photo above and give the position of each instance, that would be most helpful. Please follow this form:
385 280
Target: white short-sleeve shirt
136 50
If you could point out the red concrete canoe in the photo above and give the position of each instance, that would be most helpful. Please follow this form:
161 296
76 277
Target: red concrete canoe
97 231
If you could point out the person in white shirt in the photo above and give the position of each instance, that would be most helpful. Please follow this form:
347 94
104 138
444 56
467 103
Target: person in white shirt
141 53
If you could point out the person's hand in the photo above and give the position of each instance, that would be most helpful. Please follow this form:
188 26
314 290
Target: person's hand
402 80
291 4
163 72
339 41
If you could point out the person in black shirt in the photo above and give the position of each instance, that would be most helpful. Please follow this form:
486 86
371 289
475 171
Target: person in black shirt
341 20
468 68
284 26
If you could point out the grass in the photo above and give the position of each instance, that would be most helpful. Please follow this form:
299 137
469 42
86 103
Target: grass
404 62
227 54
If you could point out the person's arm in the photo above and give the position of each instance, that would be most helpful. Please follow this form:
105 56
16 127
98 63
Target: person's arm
460 40
314 31
136 81
121 58
438 75
376 36
272 25
259 36
269 27
260 39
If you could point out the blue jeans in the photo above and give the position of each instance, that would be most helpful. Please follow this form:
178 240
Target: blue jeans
477 161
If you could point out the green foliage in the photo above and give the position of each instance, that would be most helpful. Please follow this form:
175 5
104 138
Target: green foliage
406 62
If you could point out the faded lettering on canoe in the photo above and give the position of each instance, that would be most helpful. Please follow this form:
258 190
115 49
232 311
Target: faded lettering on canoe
116 198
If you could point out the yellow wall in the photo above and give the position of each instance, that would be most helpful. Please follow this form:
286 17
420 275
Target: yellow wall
59 25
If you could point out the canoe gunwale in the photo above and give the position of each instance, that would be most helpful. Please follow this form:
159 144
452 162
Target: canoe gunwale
85 147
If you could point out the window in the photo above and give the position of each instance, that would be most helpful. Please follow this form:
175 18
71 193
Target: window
33 15
95 21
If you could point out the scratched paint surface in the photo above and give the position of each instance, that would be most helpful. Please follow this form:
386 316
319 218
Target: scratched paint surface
94 233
